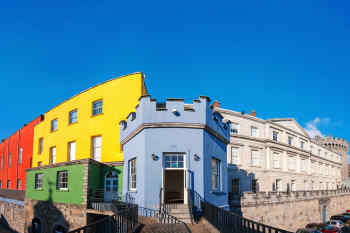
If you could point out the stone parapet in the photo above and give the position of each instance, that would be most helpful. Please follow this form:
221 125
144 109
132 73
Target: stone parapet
265 198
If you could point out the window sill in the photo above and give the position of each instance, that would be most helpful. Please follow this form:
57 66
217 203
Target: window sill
74 123
218 193
132 191
96 115
39 189
62 190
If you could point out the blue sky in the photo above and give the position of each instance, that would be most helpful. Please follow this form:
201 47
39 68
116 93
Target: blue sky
281 58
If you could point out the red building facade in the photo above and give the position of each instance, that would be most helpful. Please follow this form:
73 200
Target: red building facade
16 154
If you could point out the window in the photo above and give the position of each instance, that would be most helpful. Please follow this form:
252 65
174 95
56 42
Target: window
312 185
0 184
291 163
234 155
62 180
73 116
53 125
290 140
303 165
38 181
20 155
319 152
96 148
255 185
19 184
41 145
52 155
215 174
173 160
302 143
2 162
40 164
9 160
311 148
275 136
235 186
276 160
71 151
97 107
255 158
9 184
293 185
278 185
132 174
254 132
234 128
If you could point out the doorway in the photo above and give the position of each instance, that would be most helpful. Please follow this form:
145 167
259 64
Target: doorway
111 187
174 186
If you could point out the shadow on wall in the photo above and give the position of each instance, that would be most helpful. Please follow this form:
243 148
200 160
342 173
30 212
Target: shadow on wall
47 218
240 181
5 227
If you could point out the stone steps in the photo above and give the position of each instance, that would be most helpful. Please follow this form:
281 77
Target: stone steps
181 212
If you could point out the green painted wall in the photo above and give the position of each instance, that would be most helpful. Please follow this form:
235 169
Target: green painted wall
97 174
74 194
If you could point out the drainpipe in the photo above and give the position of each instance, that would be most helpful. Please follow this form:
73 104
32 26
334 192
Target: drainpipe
18 148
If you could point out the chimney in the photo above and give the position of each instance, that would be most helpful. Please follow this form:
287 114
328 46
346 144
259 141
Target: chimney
216 104
253 113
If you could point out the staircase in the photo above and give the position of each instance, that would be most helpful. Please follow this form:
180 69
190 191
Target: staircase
180 211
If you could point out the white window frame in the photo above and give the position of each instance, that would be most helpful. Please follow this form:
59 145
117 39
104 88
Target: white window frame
255 158
235 159
216 174
234 130
276 160
54 125
290 140
62 180
97 149
254 131
97 107
72 156
178 160
275 135
132 175
38 181
20 155
53 155
73 118
292 163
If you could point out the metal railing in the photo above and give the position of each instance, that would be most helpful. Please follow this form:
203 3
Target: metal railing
226 221
101 205
123 222
166 222
194 203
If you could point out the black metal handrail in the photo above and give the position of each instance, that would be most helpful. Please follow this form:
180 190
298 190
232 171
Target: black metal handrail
123 222
169 223
226 221
194 202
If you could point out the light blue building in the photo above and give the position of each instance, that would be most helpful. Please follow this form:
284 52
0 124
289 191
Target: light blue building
172 147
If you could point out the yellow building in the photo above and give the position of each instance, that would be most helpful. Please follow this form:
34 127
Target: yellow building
87 125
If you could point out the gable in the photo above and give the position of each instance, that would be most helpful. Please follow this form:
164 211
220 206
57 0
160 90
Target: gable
290 123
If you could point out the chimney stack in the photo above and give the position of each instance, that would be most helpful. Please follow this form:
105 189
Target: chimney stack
216 104
253 113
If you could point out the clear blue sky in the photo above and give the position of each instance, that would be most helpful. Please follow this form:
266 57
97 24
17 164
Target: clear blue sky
281 58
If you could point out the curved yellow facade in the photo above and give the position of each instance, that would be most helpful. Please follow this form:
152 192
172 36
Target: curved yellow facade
118 98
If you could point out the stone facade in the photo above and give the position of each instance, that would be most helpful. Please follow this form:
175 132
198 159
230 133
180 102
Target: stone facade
294 210
278 155
54 214
12 212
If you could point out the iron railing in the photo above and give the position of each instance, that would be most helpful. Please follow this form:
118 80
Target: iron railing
101 205
194 203
226 221
163 220
123 222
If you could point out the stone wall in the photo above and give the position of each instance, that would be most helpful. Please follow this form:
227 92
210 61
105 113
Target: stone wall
294 210
70 216
12 214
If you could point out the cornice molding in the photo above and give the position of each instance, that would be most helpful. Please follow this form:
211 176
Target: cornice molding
173 125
